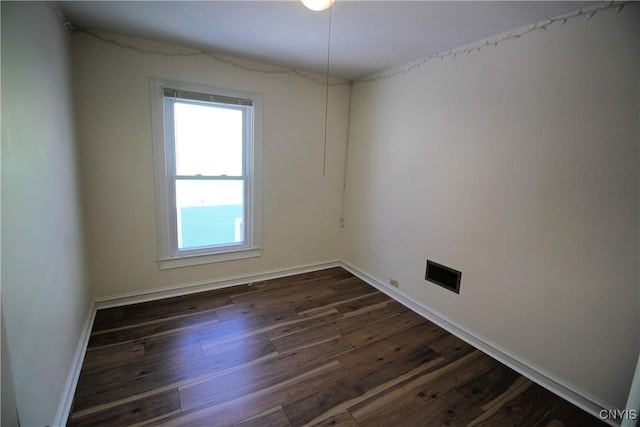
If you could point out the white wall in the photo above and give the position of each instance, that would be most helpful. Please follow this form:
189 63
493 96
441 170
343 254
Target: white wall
44 294
9 408
301 208
517 165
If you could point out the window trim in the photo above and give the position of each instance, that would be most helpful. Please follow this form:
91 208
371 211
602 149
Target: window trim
167 250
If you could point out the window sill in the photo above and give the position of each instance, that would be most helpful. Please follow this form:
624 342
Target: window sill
186 261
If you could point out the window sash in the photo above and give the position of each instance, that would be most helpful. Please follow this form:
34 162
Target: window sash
178 251
170 134
247 135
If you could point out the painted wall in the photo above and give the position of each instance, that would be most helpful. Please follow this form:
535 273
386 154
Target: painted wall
45 299
9 408
517 165
301 208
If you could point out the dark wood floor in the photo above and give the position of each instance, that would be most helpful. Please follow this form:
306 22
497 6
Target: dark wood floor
320 348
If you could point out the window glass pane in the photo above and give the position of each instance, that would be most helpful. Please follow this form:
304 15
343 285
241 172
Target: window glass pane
209 213
208 139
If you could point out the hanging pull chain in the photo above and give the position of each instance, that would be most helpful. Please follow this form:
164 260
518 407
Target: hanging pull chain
326 100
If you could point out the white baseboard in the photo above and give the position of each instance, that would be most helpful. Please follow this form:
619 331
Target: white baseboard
580 398
66 401
74 371
207 285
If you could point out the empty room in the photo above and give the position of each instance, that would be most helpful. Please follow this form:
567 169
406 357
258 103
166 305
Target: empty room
411 213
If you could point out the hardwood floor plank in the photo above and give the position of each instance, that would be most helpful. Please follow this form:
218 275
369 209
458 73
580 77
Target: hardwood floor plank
389 305
137 332
377 362
116 355
351 403
252 404
229 330
337 300
108 375
271 295
259 376
517 388
146 311
343 419
452 409
485 388
172 376
340 273
567 415
527 409
297 279
132 412
274 417
233 330
349 282
249 312
146 322
334 301
306 322
341 325
391 407
386 328
107 318
304 410
450 346
372 299
319 348
216 346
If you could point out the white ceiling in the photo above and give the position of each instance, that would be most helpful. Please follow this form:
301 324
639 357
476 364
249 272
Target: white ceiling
366 36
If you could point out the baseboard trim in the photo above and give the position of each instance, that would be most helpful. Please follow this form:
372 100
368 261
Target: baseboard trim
580 398
71 383
207 285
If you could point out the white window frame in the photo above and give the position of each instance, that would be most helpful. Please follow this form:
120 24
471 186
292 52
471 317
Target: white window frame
169 256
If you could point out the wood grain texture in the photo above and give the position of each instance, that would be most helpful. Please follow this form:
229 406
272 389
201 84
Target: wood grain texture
320 348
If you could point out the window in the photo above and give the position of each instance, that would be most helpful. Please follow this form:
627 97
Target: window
207 173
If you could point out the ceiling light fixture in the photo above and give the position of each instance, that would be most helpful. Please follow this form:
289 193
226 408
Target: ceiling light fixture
318 5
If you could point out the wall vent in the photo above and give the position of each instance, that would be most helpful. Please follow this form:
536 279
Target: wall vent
443 276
